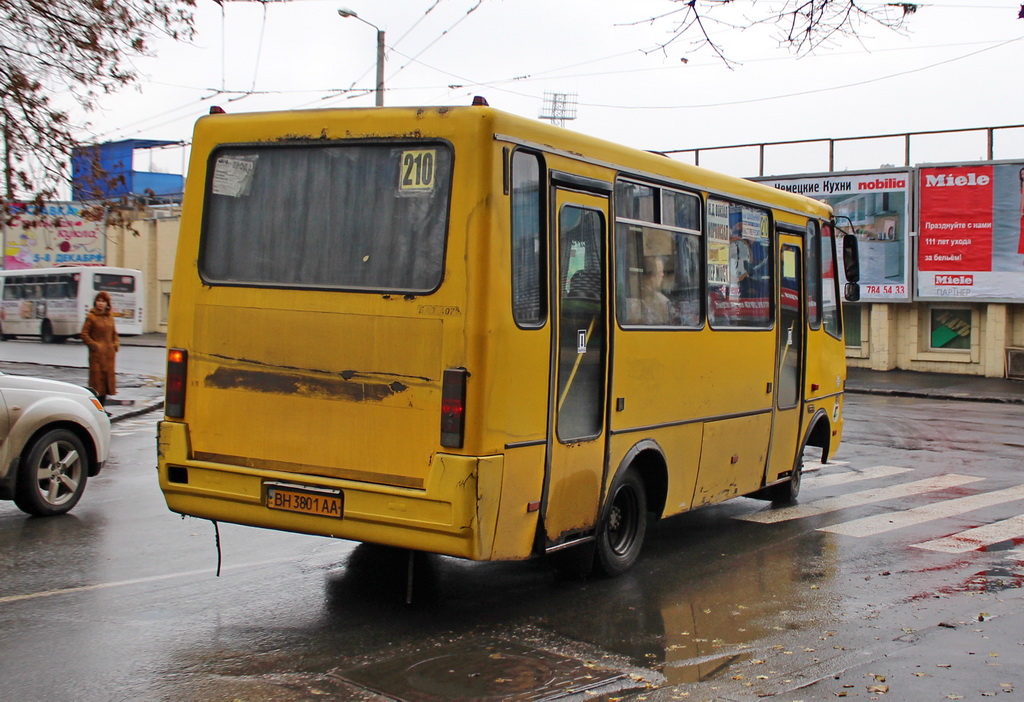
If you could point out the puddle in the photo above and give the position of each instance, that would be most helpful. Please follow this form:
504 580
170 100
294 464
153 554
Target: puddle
498 671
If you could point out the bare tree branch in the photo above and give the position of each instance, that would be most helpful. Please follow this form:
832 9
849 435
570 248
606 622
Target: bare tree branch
77 49
802 26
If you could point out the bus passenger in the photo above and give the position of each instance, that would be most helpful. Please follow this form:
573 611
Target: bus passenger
654 305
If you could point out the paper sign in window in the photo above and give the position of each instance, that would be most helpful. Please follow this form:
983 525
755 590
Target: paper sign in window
232 175
418 168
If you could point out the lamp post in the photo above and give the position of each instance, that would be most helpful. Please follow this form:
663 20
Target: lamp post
379 91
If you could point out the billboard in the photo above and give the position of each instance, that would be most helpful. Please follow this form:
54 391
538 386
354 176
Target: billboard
971 232
54 234
877 205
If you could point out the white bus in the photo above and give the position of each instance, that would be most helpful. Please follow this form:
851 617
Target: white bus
51 303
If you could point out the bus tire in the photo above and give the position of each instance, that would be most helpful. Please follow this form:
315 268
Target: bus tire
786 493
3 336
46 334
620 536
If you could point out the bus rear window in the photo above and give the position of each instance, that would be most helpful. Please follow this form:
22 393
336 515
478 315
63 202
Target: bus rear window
113 282
368 217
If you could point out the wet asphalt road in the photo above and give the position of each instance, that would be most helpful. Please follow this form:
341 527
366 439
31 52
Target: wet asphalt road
119 600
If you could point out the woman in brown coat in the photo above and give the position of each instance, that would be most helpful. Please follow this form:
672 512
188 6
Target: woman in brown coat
100 336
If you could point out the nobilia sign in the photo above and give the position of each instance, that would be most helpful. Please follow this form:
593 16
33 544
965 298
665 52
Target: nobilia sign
877 203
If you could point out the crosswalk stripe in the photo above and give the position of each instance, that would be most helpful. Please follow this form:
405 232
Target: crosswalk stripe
881 523
855 499
977 538
855 476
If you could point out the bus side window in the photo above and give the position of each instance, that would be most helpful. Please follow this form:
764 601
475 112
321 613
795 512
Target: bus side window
659 256
812 274
529 301
740 266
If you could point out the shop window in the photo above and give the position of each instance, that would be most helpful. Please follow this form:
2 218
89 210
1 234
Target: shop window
852 321
950 329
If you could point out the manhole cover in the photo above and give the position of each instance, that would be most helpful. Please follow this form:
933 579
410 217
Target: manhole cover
479 673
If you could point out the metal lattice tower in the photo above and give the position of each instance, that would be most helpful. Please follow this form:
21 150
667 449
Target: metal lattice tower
559 108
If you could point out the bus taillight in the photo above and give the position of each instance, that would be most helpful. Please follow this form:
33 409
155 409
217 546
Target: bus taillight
177 375
453 407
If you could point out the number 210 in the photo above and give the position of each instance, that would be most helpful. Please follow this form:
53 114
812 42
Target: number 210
417 170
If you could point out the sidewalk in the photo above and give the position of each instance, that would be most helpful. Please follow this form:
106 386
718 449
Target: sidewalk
136 394
939 386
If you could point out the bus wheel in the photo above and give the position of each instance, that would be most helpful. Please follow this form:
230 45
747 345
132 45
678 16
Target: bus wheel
46 333
4 337
787 492
621 533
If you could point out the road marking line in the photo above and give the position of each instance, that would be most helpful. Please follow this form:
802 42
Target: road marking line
139 581
856 499
855 476
881 523
977 538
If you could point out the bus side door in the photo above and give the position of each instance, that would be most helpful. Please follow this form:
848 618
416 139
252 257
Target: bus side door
789 358
577 386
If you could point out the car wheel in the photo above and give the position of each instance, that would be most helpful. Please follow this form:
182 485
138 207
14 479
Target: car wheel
621 533
52 475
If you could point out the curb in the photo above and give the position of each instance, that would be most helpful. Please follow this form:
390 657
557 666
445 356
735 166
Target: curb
137 412
960 397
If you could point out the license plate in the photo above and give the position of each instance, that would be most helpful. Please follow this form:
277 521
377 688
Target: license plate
306 500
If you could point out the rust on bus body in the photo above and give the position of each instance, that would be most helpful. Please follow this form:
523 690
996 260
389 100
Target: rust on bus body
346 387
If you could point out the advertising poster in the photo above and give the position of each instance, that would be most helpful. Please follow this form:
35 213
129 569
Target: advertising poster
877 206
971 232
54 235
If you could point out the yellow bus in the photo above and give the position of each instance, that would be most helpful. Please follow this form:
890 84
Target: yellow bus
455 330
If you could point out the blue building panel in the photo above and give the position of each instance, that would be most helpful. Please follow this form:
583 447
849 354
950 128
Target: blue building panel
106 172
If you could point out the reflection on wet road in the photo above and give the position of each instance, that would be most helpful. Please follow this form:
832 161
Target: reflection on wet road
737 600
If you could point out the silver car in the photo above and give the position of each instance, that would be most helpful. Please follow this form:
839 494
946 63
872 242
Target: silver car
53 437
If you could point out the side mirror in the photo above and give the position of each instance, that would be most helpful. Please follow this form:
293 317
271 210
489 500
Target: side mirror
851 259
852 292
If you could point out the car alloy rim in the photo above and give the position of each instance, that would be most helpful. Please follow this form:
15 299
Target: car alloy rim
59 472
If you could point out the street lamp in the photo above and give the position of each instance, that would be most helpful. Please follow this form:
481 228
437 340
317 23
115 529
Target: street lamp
380 54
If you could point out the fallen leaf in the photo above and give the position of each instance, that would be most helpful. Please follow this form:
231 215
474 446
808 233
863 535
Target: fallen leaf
943 665
878 678
954 697
882 689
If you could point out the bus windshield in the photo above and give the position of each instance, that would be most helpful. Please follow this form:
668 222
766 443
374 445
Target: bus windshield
362 217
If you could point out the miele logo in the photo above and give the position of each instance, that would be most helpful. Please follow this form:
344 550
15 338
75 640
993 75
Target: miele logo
945 180
954 280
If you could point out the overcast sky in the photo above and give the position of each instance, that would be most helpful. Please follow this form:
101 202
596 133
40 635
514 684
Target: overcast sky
956 65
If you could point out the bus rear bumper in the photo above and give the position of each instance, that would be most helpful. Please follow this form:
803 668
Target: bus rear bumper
455 514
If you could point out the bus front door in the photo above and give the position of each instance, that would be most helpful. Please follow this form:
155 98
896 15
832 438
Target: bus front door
789 359
576 417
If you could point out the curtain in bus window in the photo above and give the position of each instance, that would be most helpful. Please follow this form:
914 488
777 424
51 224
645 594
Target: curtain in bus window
365 217
739 266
